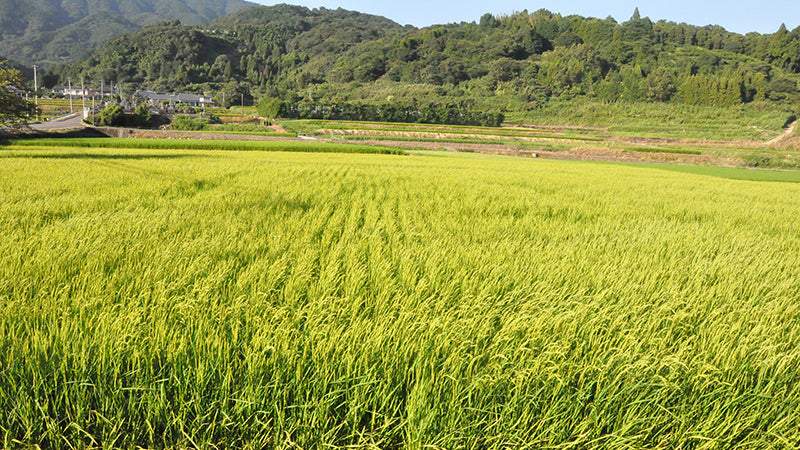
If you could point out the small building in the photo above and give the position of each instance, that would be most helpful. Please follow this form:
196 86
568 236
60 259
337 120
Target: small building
75 91
160 98
15 90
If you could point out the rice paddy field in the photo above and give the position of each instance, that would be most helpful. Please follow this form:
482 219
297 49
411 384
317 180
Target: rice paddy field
172 298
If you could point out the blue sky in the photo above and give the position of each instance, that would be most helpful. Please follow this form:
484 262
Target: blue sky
740 16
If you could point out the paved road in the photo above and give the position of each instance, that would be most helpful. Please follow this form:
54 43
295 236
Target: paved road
71 122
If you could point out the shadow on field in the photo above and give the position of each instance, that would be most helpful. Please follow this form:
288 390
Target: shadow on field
95 156
7 136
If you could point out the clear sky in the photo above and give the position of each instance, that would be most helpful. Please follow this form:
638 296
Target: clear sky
764 16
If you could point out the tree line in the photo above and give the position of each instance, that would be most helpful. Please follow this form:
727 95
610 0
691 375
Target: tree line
449 114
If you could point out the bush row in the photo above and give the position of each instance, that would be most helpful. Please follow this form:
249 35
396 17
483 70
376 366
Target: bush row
435 113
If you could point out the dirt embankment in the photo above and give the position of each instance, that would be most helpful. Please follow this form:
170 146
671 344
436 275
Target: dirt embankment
422 135
575 153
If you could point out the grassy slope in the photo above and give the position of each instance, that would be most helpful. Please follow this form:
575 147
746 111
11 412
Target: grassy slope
759 121
165 298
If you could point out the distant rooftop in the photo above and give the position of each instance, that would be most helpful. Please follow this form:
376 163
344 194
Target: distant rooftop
174 98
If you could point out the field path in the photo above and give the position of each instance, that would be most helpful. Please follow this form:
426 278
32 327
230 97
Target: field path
785 136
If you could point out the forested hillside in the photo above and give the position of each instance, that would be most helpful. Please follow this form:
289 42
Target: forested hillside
514 62
47 32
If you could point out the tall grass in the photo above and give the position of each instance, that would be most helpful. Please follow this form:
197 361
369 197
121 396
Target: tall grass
286 300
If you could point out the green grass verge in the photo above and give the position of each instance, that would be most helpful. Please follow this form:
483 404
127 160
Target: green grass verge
735 173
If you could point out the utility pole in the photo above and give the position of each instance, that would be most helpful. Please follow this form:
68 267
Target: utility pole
71 109
242 103
92 109
83 96
35 85
102 91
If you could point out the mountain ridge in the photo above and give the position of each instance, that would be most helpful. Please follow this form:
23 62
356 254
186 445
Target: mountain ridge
48 32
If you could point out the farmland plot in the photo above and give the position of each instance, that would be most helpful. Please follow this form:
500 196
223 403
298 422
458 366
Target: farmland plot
184 299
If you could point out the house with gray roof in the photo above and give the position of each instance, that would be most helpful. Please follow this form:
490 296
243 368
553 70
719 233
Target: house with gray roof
160 98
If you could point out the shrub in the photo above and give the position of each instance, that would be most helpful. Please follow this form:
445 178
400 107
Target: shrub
111 116
186 109
760 160
271 108
142 116
183 122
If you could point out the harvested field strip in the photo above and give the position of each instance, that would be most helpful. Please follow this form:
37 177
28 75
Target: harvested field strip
681 151
441 135
488 132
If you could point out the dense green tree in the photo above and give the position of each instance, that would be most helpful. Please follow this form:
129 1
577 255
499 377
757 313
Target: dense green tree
111 116
572 68
271 108
661 85
783 88
234 93
634 87
14 110
142 116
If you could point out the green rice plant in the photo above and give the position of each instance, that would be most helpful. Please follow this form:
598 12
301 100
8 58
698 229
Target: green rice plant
205 144
258 299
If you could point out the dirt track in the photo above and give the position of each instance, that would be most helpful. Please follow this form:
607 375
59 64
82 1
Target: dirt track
787 135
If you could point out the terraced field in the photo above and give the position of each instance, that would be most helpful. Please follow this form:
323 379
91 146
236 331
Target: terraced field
250 299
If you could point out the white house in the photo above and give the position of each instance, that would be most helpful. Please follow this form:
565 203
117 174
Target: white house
75 91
